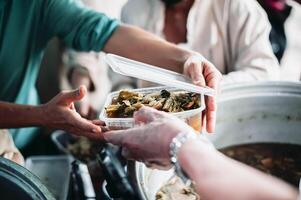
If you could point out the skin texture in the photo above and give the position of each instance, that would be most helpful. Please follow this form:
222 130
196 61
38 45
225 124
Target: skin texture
8 149
215 175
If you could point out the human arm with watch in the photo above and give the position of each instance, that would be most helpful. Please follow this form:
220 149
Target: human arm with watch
161 141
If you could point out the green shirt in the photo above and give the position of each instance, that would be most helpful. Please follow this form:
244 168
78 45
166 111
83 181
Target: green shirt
25 28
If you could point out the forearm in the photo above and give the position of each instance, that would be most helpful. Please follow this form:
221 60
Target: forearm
219 177
137 44
15 116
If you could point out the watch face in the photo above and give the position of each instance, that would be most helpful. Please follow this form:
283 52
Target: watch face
171 2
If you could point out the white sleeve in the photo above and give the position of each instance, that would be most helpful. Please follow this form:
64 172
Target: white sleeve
251 51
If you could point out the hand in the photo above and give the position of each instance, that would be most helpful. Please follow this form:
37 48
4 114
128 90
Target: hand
60 113
204 73
8 149
149 142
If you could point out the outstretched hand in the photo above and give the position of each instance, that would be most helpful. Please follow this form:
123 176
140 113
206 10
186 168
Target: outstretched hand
60 113
149 141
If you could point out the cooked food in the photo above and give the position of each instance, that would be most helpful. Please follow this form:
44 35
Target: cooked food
280 160
176 190
128 102
84 149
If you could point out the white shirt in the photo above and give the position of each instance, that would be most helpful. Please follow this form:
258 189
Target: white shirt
232 34
290 63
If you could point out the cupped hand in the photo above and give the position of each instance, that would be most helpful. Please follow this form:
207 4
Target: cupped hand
8 149
204 73
149 140
60 113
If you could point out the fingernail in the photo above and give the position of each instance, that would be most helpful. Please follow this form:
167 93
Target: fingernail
96 130
197 82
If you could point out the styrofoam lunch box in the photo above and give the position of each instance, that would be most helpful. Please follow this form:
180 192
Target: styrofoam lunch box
172 81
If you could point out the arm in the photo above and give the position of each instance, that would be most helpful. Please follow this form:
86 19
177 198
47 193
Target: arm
15 116
217 176
252 56
59 113
140 45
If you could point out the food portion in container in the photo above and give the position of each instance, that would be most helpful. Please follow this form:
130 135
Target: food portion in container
175 189
84 149
127 102
280 160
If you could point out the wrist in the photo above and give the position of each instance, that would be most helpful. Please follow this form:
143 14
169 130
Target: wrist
40 115
177 144
192 152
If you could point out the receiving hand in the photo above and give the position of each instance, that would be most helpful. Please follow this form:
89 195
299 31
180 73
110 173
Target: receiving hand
149 142
204 73
60 113
8 149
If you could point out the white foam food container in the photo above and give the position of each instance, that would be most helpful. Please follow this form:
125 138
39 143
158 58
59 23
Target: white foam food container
172 82
191 117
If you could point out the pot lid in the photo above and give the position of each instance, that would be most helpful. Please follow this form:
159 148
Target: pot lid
132 68
16 182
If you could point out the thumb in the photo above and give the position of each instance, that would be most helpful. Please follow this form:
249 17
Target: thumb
115 137
147 115
66 98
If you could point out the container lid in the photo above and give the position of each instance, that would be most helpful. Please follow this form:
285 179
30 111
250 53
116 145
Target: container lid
127 67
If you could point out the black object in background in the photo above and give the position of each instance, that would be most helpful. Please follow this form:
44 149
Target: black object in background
277 36
118 184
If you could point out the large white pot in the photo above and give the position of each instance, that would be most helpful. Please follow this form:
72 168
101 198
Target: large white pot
250 113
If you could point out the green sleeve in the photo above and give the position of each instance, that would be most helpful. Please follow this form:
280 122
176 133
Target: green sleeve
81 28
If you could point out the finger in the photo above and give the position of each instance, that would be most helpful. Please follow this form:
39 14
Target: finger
101 124
84 125
18 158
72 107
211 114
115 137
146 115
66 98
98 122
213 78
196 74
